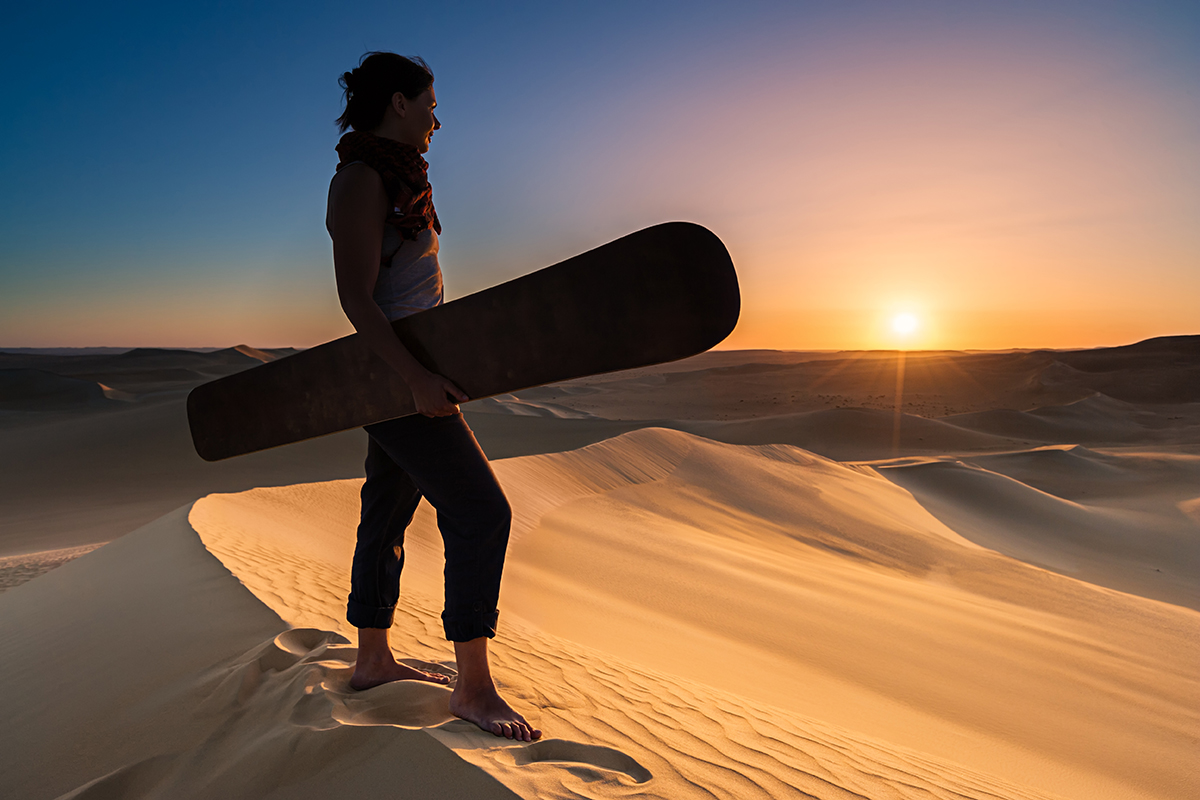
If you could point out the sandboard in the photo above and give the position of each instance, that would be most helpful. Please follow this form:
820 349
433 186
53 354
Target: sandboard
656 295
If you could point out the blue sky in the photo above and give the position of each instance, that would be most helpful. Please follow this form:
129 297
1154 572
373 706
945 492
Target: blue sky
165 167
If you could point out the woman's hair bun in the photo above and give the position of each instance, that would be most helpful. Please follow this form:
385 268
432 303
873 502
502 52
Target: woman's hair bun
369 87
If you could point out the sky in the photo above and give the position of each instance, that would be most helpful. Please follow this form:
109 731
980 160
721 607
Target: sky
1010 175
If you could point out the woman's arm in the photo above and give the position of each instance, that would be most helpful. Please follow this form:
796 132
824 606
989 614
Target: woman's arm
355 219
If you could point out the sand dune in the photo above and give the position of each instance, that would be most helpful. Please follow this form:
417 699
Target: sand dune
86 478
511 404
998 602
146 370
1151 554
26 389
854 434
1096 419
168 682
934 384
1161 370
768 578
214 696
15 570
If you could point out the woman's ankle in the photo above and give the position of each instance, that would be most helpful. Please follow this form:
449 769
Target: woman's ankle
373 646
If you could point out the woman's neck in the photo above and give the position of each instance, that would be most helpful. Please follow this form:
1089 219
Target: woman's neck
390 129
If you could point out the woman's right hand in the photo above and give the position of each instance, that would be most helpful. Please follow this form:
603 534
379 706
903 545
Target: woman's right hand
432 395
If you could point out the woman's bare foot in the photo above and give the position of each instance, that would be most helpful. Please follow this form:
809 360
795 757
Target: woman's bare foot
488 710
376 672
476 700
376 665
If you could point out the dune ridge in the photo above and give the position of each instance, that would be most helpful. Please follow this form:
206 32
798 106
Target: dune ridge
1104 534
15 570
214 695
688 562
616 725
173 681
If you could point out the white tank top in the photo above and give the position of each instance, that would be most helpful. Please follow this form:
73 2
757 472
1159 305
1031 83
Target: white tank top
410 279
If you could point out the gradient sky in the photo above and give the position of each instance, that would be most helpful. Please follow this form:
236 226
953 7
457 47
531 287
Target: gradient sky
1015 174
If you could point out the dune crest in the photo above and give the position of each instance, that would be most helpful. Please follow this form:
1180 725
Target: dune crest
613 725
1097 533
258 355
174 681
193 687
524 407
666 593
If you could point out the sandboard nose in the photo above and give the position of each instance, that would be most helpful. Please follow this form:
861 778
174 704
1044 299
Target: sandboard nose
720 301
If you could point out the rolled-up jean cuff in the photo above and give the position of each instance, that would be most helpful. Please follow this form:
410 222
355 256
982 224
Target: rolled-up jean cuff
361 616
465 627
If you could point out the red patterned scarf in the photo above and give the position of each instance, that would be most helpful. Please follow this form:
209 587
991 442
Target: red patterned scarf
404 179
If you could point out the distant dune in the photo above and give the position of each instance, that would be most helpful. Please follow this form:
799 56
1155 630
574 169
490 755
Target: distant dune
1108 541
853 434
1163 370
36 390
717 386
1095 419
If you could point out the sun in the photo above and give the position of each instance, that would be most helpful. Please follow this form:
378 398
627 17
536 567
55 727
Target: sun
905 324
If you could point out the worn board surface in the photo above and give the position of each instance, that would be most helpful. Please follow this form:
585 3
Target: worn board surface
660 294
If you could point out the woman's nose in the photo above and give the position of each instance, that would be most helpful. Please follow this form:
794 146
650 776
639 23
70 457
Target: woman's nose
437 123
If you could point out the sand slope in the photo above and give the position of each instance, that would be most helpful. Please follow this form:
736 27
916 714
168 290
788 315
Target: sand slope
1116 520
178 682
170 680
710 592
81 479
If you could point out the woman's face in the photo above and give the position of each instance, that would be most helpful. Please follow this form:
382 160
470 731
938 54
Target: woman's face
419 120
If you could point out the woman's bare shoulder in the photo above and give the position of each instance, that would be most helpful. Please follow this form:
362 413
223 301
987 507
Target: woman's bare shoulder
355 177
357 190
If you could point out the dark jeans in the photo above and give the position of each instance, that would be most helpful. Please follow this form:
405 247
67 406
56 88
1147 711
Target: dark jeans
439 459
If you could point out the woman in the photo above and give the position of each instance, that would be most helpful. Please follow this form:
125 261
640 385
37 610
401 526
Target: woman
385 243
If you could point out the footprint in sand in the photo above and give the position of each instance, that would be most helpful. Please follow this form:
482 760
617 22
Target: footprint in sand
304 644
420 705
582 760
403 704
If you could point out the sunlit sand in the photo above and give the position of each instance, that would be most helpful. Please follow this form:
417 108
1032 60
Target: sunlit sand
748 574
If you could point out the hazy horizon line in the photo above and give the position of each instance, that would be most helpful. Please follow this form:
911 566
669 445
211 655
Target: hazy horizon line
118 350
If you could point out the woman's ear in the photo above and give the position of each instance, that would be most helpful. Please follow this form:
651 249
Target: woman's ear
399 104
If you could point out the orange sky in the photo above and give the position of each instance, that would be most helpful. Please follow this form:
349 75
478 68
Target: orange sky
1017 177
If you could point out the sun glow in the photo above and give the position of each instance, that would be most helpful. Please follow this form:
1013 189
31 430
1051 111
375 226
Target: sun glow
905 324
